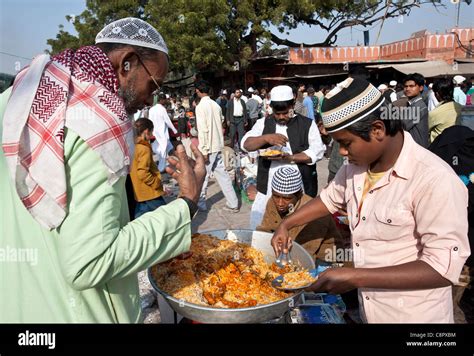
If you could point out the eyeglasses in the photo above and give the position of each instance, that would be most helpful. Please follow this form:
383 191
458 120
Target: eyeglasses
157 91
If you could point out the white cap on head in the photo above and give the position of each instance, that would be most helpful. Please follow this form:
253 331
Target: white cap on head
393 83
250 90
132 31
382 87
458 79
281 93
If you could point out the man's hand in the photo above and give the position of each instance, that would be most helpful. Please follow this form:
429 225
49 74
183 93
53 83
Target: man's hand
281 241
189 174
335 281
276 139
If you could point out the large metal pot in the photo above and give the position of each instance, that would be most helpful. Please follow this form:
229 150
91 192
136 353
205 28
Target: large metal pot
257 314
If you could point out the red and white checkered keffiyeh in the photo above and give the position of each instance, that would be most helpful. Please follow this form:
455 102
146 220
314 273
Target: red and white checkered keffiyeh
77 90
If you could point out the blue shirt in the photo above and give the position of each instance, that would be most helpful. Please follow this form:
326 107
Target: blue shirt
308 103
459 96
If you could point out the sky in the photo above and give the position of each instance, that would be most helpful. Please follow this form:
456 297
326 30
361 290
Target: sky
25 26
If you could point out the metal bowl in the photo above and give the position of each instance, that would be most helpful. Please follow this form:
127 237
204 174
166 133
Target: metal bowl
258 314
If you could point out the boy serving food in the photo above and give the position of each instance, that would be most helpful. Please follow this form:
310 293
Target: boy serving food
407 212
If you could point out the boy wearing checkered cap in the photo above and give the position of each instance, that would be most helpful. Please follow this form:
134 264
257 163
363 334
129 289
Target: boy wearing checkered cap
407 212
319 237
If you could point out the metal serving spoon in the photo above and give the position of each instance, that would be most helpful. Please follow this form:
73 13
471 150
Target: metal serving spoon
283 260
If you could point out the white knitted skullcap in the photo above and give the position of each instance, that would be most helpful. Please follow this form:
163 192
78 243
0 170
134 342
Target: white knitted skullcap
132 31
281 93
287 180
458 79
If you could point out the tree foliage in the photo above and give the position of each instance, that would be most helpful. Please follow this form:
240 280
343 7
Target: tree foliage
215 34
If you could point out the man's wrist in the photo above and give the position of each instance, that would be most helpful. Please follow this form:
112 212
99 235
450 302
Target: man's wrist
193 207
284 224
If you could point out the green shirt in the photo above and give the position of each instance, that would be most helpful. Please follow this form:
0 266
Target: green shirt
443 116
85 271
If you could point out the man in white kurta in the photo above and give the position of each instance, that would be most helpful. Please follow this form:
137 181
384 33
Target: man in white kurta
211 142
161 122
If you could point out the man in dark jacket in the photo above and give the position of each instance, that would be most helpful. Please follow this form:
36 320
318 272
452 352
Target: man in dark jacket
236 117
417 121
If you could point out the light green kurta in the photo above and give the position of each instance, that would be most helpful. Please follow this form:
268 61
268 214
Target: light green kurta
86 270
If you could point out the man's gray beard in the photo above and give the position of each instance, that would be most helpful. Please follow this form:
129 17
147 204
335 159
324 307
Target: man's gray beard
129 96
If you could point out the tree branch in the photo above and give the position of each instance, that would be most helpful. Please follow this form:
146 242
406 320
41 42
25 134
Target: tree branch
369 20
284 42
339 22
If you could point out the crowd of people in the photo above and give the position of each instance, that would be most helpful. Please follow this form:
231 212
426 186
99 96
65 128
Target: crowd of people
293 120
63 179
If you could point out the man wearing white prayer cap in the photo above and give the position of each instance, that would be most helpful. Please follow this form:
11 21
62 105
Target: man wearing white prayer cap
382 88
458 95
67 144
319 236
391 93
458 79
295 135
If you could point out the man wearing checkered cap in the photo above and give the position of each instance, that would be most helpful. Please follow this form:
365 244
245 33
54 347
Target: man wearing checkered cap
407 212
319 237
67 146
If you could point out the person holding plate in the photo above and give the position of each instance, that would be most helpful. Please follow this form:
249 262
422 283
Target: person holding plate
297 136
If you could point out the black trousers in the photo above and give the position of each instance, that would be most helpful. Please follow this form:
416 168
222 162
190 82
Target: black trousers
236 127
